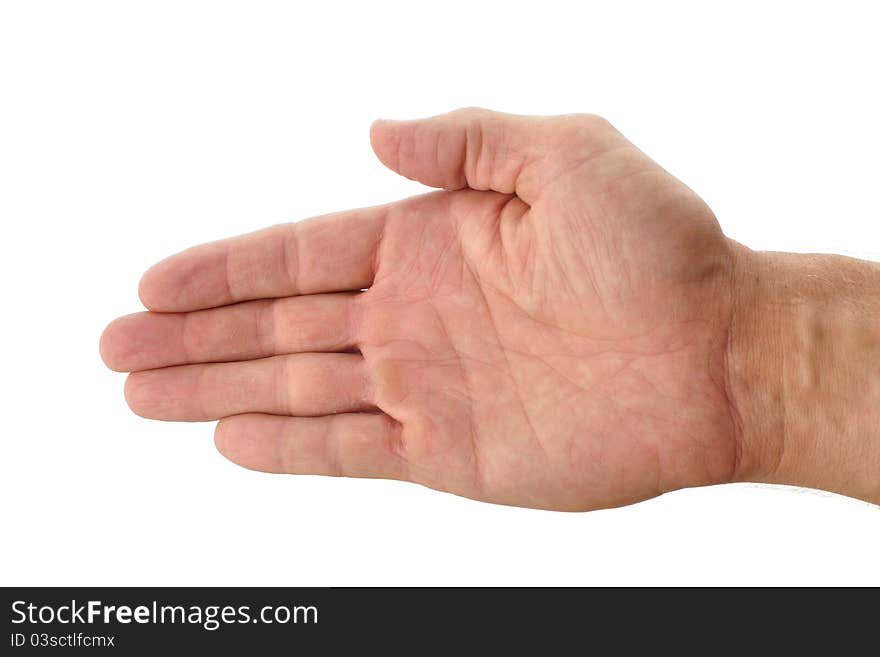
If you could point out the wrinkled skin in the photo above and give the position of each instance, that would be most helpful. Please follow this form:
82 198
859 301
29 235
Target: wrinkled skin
550 331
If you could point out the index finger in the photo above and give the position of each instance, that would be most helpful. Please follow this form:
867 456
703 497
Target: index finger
330 253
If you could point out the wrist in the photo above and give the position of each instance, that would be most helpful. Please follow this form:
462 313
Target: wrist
803 367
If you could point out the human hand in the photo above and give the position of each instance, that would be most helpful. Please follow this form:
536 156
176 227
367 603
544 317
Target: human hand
553 331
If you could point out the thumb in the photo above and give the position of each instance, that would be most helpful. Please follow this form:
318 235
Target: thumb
487 150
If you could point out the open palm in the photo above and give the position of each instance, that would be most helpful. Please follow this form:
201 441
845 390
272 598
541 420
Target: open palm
550 331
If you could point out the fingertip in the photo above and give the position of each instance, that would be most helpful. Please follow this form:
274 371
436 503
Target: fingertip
105 346
148 288
134 394
382 138
189 280
224 441
111 345
165 286
149 396
221 438
236 444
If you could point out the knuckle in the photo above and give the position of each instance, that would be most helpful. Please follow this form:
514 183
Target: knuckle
591 122
471 112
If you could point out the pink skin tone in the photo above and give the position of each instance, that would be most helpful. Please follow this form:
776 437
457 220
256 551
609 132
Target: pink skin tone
552 330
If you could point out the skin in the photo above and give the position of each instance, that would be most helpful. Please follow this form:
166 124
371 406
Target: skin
564 327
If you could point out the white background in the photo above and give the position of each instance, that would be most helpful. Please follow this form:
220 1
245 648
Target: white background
130 130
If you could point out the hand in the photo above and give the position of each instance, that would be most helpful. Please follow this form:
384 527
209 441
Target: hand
550 333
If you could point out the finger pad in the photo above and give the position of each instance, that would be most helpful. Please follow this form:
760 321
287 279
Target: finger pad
252 447
186 281
135 341
162 395
112 345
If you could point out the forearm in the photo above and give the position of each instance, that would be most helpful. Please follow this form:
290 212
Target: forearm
804 371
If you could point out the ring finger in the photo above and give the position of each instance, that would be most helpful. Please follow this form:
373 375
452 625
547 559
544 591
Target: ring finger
306 384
